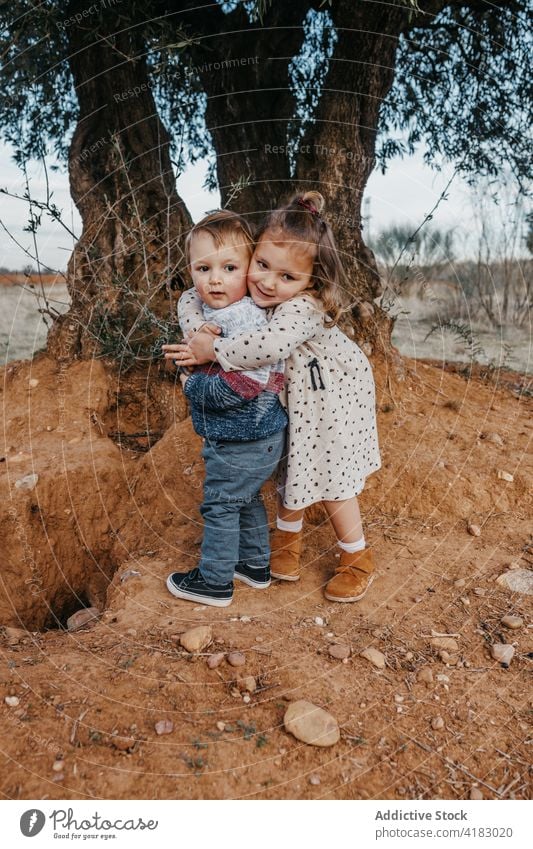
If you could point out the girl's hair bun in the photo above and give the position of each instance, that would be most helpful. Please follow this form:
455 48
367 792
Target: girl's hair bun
314 199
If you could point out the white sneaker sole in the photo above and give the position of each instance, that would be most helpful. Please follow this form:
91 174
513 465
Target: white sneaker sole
201 599
352 598
257 585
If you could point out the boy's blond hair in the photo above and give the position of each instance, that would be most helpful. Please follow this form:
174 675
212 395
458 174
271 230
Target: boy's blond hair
222 225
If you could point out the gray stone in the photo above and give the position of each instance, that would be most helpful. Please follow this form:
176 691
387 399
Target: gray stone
375 657
512 622
311 724
86 616
215 660
517 580
236 658
28 482
339 651
503 653
446 643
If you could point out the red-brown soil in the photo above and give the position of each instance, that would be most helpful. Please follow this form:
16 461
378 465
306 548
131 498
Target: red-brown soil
104 505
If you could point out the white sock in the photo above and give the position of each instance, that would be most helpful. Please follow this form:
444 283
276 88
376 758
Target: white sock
292 527
352 547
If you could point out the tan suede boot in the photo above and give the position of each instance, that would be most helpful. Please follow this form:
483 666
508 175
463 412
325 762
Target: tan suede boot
285 548
352 578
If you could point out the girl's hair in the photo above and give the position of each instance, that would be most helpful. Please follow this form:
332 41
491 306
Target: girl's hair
222 225
301 220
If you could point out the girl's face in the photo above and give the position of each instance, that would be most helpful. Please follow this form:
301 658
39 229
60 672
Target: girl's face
279 270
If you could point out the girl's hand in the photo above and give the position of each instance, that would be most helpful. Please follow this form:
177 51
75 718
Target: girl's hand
180 354
212 329
202 347
197 351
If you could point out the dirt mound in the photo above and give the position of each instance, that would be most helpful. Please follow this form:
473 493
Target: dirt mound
115 508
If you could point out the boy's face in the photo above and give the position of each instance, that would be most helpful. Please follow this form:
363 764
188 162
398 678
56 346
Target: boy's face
218 271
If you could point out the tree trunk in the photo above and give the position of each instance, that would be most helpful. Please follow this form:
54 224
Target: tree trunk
123 185
339 150
244 70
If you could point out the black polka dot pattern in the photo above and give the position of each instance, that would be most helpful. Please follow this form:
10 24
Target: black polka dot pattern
332 442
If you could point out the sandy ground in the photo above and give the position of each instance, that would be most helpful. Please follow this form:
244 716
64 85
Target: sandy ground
82 706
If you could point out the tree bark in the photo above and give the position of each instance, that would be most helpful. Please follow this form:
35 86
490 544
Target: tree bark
123 185
244 70
338 154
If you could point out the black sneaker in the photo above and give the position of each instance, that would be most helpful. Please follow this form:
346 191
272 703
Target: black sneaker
257 577
192 587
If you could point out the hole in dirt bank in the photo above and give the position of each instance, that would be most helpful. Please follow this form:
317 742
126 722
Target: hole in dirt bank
146 403
87 588
63 609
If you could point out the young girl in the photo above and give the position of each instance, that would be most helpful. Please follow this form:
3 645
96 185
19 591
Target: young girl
295 272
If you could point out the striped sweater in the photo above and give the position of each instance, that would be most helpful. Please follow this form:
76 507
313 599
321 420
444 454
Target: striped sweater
236 406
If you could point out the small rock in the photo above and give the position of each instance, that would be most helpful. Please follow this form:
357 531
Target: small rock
505 476
129 573
311 724
215 660
319 620
314 779
248 684
398 698
503 653
512 622
27 483
518 581
33 382
474 530
443 679
164 726
123 744
14 635
460 583
480 591
236 658
493 437
12 701
60 776
339 651
82 617
221 725
475 793
425 675
446 643
437 723
375 657
246 699
245 619
235 693
58 766
196 639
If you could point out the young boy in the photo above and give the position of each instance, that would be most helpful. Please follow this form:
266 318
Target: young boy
239 414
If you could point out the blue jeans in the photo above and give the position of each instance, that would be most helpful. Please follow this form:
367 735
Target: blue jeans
235 520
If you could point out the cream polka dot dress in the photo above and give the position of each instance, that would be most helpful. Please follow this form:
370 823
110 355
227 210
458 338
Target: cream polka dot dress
332 442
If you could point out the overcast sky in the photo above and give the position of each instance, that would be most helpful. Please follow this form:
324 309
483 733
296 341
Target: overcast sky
405 194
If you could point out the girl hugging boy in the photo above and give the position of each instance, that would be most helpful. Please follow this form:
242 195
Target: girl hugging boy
331 445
